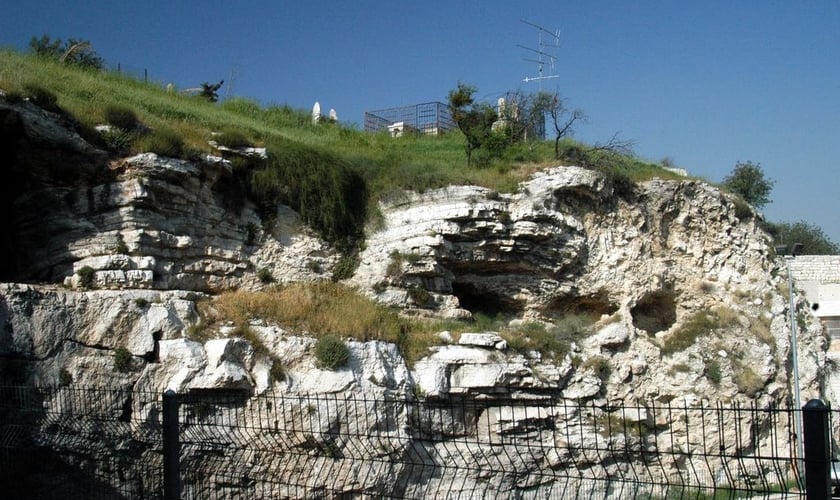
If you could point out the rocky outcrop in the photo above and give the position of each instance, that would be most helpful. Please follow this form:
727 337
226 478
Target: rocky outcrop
564 242
680 291
140 222
165 224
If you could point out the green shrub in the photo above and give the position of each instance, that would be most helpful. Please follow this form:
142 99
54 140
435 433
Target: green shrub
162 142
395 264
573 326
747 380
86 277
265 276
331 352
554 341
412 258
121 117
141 303
420 296
743 211
700 324
344 268
712 371
497 143
327 193
120 247
622 185
315 267
116 140
122 359
232 138
244 331
277 372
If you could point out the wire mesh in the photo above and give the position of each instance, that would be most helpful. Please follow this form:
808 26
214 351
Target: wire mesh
79 443
106 443
431 118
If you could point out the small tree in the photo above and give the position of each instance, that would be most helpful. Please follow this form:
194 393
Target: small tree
748 180
45 46
475 120
122 359
73 51
81 53
524 115
814 240
562 118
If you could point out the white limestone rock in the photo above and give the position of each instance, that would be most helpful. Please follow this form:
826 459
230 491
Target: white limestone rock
180 361
611 336
582 387
483 340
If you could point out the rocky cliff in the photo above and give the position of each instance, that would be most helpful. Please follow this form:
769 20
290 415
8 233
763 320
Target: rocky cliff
681 283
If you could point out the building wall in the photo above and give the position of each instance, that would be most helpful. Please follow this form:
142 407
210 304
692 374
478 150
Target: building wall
819 277
821 268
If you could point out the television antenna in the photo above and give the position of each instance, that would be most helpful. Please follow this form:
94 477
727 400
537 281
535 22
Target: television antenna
544 57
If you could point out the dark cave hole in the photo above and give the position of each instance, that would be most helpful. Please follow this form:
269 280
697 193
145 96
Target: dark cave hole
481 301
655 312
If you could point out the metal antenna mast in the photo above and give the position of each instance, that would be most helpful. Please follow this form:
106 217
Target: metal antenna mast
543 56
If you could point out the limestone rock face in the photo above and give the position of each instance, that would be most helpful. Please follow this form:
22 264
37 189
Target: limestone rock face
141 222
647 261
679 290
565 241
651 261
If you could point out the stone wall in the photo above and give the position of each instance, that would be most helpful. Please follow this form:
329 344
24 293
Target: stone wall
822 268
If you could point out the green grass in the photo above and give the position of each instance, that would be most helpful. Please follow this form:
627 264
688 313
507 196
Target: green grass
321 309
552 340
410 162
328 308
698 325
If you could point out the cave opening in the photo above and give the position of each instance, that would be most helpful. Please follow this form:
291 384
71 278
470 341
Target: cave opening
655 312
481 301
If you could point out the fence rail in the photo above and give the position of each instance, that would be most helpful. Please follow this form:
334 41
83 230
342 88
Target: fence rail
114 443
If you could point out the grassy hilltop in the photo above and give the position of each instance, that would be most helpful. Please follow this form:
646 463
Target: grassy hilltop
332 174
409 162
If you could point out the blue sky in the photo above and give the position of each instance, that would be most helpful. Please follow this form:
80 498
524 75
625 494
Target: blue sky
706 84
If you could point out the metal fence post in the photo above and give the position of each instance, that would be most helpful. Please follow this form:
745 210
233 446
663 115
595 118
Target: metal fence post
171 447
817 450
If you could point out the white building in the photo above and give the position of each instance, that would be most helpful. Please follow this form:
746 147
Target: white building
818 276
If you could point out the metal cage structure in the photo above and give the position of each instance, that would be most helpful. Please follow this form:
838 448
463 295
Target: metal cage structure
430 118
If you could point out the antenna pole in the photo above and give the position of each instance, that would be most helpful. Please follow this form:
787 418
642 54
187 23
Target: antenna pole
542 53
